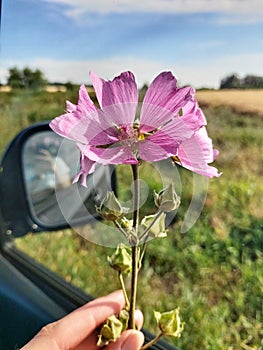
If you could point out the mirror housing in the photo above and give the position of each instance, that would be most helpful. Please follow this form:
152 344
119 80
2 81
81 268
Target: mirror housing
36 189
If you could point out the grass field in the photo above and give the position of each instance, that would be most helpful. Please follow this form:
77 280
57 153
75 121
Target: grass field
214 272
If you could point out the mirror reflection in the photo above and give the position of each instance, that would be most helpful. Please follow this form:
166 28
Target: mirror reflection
50 164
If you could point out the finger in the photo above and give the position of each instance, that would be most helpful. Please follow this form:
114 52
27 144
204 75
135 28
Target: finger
129 340
90 343
138 318
72 329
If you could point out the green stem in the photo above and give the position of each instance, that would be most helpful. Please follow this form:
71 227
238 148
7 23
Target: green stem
116 223
136 197
142 254
135 248
124 290
153 341
144 236
134 280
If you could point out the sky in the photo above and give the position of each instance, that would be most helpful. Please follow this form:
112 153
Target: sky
200 41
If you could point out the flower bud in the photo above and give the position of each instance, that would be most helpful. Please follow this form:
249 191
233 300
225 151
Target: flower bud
110 331
157 227
167 200
124 318
170 323
110 208
121 259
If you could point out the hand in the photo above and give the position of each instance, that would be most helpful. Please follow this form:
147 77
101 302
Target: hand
76 331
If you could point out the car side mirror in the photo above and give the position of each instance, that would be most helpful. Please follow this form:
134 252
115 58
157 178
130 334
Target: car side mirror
36 187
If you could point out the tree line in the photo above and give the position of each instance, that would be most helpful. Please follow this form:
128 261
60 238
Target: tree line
233 81
28 78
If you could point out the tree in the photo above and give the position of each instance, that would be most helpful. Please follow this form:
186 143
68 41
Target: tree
26 78
249 82
252 81
15 78
230 82
69 85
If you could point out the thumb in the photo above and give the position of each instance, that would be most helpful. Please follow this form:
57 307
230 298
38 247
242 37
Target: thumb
129 340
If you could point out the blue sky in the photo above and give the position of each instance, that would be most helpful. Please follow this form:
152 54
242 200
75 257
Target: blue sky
200 41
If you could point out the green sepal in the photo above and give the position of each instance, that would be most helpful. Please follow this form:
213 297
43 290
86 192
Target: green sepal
121 259
158 228
110 331
124 318
110 208
112 328
167 199
170 323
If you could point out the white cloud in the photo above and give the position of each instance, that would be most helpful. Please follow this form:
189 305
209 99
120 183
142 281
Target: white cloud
80 7
210 72
237 19
207 73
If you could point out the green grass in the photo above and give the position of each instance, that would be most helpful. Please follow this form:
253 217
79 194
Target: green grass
214 271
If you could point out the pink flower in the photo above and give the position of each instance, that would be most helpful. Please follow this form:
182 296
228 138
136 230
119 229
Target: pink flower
170 125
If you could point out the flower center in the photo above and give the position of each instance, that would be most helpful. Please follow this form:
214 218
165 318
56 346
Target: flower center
129 136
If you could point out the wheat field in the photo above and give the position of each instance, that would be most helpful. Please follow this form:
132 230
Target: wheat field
241 101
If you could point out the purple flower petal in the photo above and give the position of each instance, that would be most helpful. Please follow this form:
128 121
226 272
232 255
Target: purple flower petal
196 152
70 106
193 116
87 167
164 142
156 150
111 119
206 145
101 132
85 105
121 91
69 126
73 125
176 129
163 100
111 155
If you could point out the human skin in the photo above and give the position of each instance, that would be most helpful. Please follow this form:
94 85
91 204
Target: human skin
77 330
